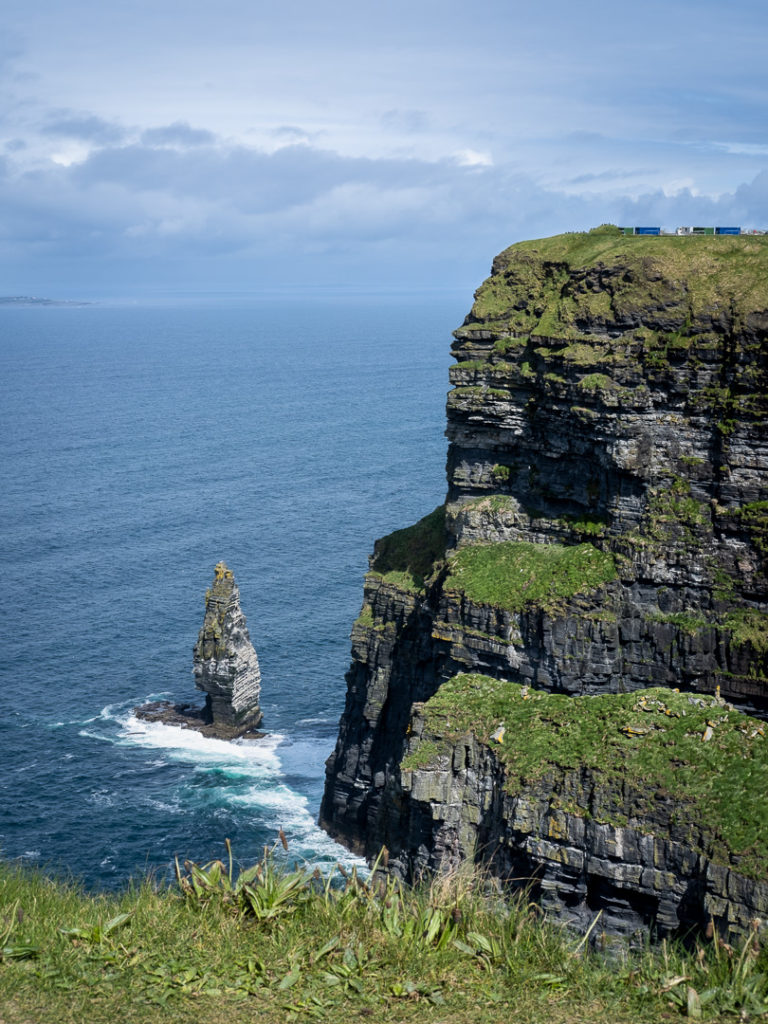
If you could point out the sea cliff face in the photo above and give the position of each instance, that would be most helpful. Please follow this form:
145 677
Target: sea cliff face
605 532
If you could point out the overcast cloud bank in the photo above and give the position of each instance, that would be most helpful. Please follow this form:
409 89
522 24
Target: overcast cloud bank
345 148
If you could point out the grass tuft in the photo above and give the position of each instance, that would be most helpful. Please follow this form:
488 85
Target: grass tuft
407 557
515 574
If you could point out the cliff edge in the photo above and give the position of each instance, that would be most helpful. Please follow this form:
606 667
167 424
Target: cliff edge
604 539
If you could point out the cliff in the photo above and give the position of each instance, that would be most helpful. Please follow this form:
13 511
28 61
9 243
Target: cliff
605 532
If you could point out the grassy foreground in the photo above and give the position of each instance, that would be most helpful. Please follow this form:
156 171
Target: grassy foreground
269 946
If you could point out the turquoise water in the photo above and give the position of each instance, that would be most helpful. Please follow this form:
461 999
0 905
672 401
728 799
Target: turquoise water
140 445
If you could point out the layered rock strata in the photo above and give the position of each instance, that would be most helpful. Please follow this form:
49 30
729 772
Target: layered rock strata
606 524
225 666
610 806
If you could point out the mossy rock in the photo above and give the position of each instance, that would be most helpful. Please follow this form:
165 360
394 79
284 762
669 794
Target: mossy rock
711 760
407 557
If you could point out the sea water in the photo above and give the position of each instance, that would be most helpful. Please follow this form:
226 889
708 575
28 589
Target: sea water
141 445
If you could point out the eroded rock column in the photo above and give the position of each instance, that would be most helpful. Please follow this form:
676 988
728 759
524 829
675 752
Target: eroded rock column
226 667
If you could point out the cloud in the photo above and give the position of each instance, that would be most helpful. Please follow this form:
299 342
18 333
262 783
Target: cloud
161 211
412 122
83 128
290 134
251 180
177 134
472 158
610 176
757 149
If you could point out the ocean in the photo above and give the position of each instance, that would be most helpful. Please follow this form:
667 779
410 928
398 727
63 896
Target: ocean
141 444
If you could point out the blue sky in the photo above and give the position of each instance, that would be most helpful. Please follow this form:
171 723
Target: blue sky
180 145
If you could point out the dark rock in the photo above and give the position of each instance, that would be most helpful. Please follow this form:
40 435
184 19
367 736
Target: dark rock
225 662
620 402
226 668
191 716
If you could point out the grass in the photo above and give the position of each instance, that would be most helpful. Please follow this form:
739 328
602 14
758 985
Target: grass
749 626
554 288
754 516
582 354
595 382
445 953
685 621
515 574
653 736
672 512
594 527
406 557
365 618
714 269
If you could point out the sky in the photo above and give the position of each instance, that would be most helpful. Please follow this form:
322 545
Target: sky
154 146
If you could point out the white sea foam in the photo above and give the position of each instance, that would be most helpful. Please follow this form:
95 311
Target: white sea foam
251 779
188 744
107 712
279 798
101 798
166 806
73 721
92 734
283 808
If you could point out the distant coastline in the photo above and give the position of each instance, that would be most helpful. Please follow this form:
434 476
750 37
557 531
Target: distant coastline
31 300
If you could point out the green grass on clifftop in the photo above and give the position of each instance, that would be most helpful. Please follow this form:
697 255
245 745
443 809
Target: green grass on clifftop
654 739
703 273
407 556
515 574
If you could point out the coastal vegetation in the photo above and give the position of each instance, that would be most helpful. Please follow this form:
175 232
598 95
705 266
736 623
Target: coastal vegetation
269 945
606 533
581 301
407 557
675 745
515 574
712 274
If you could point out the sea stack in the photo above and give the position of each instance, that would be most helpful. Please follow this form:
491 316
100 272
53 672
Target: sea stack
226 667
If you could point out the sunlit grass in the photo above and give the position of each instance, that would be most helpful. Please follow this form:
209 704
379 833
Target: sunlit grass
711 760
334 950
515 574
